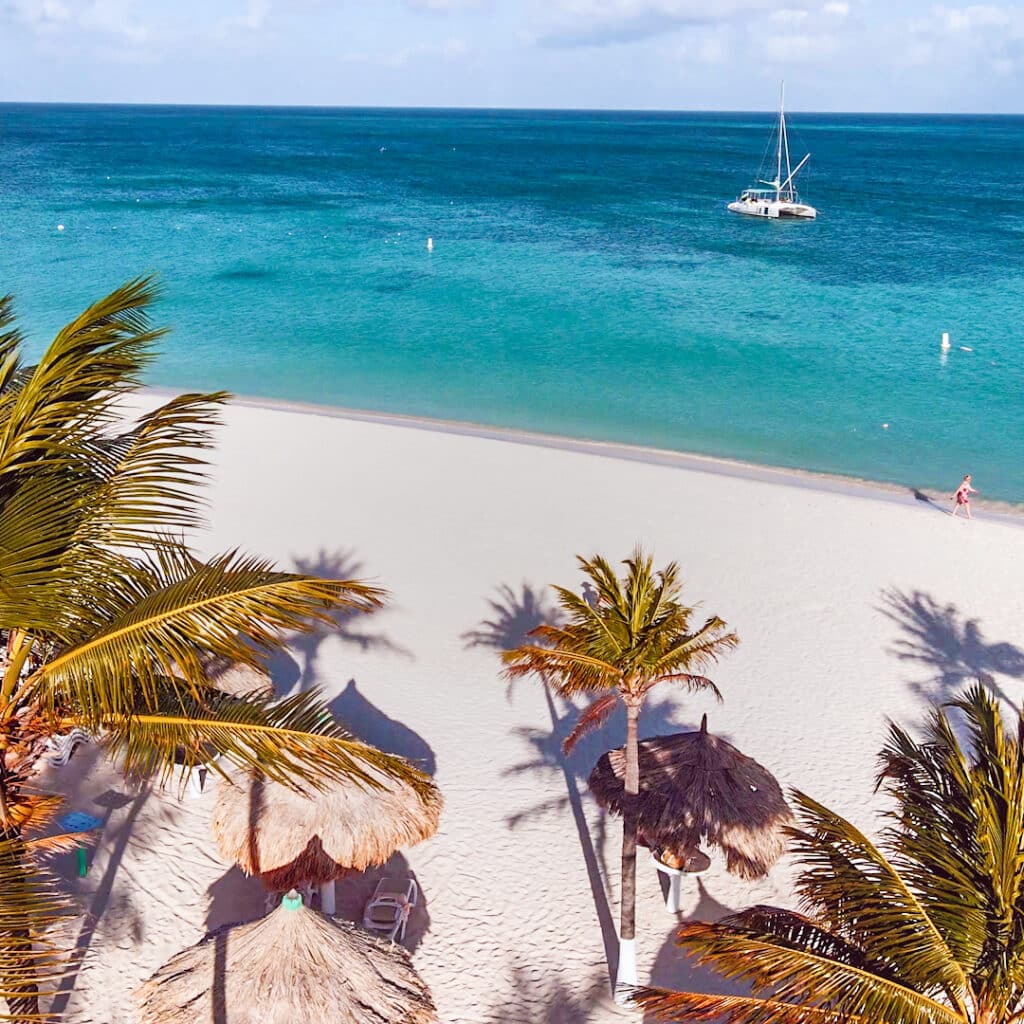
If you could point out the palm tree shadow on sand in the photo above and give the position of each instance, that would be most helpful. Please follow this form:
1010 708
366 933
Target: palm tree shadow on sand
511 618
674 969
302 670
946 644
543 1001
116 835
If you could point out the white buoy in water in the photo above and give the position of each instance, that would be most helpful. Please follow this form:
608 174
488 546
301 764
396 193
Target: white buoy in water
60 227
430 245
885 426
945 341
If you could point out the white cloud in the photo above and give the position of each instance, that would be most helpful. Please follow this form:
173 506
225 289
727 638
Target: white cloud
441 5
981 39
800 48
788 16
447 50
837 8
607 22
40 13
968 19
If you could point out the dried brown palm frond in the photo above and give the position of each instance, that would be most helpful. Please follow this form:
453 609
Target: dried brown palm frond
294 965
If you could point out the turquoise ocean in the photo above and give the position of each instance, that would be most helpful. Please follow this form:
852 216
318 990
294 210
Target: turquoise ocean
586 279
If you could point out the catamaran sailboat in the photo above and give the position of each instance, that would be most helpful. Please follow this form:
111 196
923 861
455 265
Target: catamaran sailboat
780 198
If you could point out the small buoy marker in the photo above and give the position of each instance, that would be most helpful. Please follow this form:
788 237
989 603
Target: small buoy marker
945 341
60 227
430 245
885 426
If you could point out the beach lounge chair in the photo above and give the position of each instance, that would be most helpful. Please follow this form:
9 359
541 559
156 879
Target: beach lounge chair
390 906
64 745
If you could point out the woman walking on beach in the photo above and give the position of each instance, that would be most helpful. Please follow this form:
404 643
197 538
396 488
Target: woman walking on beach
962 497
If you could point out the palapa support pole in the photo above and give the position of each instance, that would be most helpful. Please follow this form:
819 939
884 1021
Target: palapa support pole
327 898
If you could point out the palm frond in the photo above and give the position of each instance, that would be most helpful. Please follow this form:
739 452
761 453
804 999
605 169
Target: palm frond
797 976
31 812
11 338
590 718
98 356
858 893
294 741
570 671
712 1009
64 842
693 683
148 478
177 608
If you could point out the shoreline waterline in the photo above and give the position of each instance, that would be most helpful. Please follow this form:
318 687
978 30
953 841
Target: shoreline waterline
834 483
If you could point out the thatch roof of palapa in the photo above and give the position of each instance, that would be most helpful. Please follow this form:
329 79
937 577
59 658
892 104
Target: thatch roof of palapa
289 838
294 965
238 678
695 786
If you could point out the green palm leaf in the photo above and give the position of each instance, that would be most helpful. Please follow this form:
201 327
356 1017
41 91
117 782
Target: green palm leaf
857 892
796 975
52 418
177 608
632 635
711 1009
291 741
110 620
925 925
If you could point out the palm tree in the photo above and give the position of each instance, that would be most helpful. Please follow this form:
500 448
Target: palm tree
924 927
108 617
633 634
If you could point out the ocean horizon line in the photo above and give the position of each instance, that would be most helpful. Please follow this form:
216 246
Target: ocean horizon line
792 476
771 107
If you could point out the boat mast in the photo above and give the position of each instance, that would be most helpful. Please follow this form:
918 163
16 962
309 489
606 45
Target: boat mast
782 129
785 143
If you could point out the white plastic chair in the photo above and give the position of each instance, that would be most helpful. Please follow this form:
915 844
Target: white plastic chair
390 906
64 745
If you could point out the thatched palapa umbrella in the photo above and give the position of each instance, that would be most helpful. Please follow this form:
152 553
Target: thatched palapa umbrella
238 678
293 965
696 787
290 839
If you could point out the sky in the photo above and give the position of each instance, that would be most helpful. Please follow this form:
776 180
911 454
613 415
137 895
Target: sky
835 55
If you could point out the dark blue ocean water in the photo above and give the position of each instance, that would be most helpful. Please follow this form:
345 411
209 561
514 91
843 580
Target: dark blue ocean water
586 278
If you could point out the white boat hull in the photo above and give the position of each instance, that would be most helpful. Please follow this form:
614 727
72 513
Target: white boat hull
773 209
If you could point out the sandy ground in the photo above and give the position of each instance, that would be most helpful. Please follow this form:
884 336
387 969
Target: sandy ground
851 607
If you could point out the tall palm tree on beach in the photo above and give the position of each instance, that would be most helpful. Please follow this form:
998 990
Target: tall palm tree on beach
108 620
926 926
620 641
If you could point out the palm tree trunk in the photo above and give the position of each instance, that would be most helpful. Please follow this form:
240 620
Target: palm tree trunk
626 976
19 982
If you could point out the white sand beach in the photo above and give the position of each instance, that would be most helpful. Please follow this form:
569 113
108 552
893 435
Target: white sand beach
853 605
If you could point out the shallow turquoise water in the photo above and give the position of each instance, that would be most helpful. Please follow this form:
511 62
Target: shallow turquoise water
586 279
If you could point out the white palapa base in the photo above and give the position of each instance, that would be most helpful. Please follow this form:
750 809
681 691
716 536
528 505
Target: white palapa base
327 899
625 976
672 896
